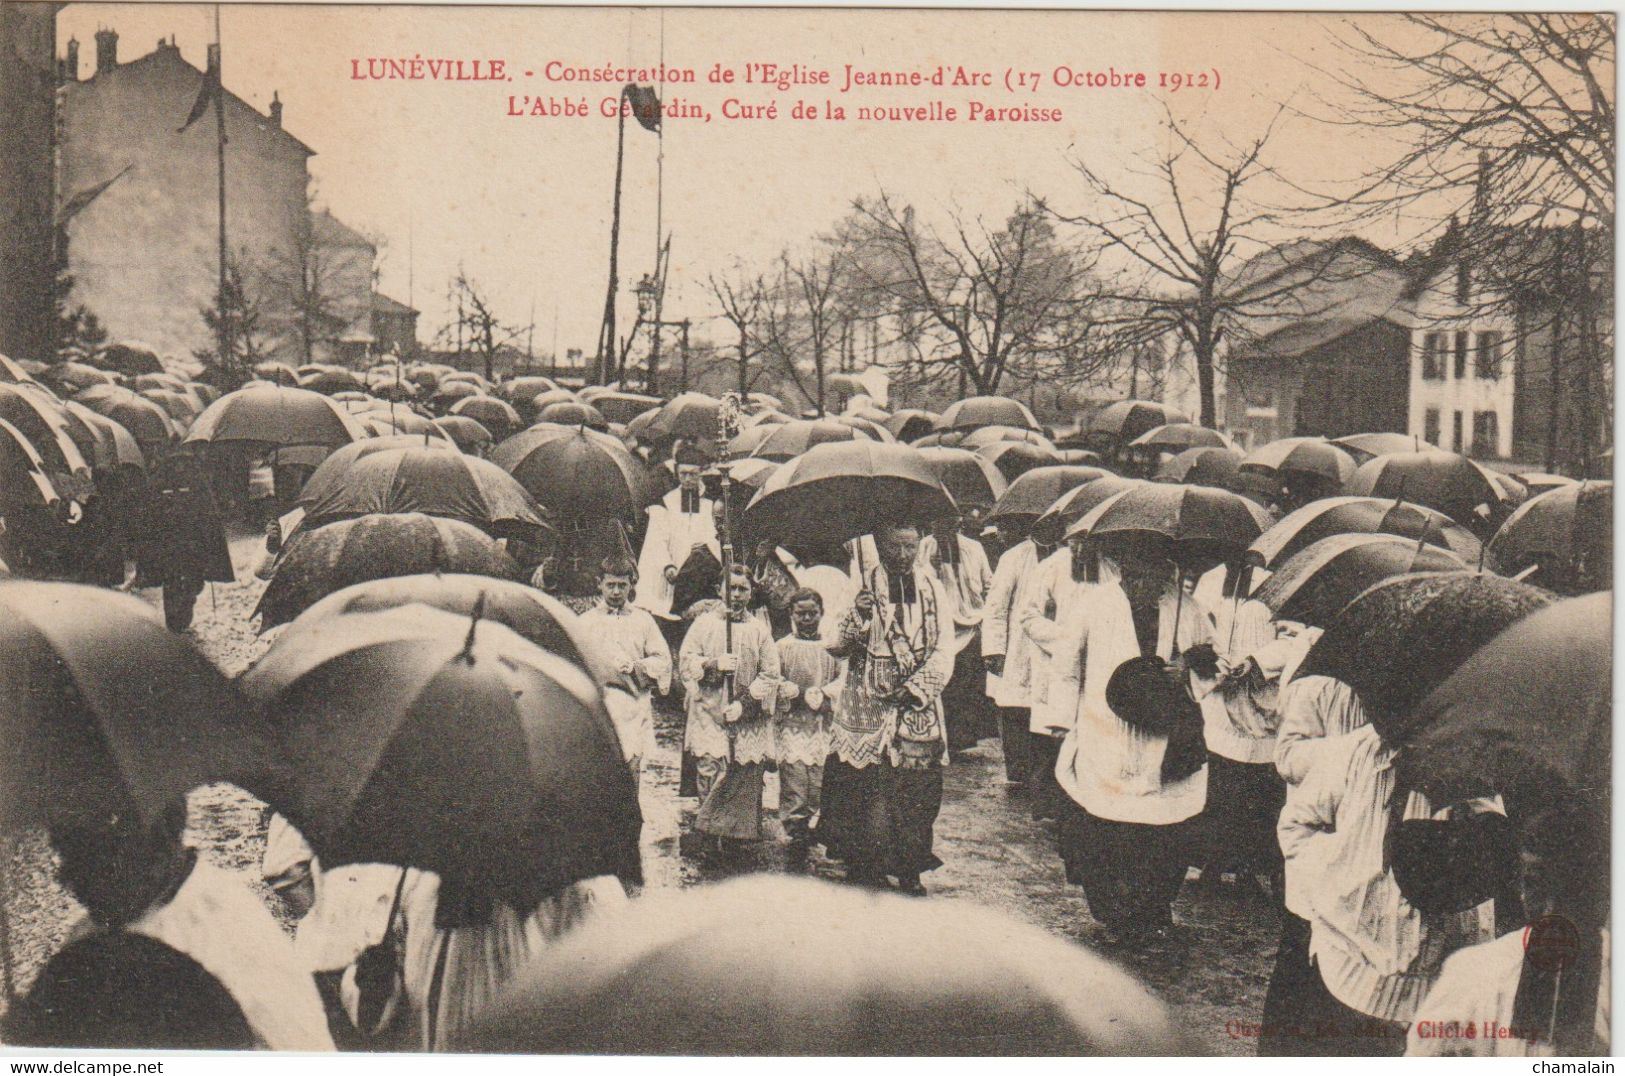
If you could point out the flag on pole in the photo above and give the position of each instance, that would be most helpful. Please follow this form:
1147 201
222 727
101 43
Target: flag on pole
645 105
82 199
207 92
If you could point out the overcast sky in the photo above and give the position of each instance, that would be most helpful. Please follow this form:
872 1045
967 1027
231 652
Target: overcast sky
524 203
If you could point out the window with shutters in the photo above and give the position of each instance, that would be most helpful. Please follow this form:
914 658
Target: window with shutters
1455 432
1489 356
1433 356
1486 433
1461 354
1430 426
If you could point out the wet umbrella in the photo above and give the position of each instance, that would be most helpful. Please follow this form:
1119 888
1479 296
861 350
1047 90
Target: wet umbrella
868 427
522 389
40 418
142 382
1362 446
1073 505
403 420
910 424
392 390
748 439
983 437
1079 456
1446 481
1362 515
1529 715
276 416
1568 533
1031 494
71 377
1538 482
785 442
496 415
470 435
970 478
763 401
1016 458
1193 525
574 414
1317 582
207 393
333 380
12 373
450 744
349 396
147 422
977 411
1205 465
536 616
690 415
535 403
105 710
624 406
476 379
638 428
448 485
580 474
331 468
180 407
766 418
278 373
1403 637
325 559
1302 455
448 393
114 446
1125 420
1178 436
129 357
24 480
836 492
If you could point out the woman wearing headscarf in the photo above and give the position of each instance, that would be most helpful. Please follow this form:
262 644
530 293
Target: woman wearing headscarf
1133 765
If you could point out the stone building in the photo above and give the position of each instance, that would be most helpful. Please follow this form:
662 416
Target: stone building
28 75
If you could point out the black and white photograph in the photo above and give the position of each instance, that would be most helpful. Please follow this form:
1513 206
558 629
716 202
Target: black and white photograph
805 532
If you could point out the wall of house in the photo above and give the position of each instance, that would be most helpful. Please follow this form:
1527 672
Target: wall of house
144 254
27 97
1448 398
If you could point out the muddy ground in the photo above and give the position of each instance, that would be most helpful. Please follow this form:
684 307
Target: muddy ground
1213 971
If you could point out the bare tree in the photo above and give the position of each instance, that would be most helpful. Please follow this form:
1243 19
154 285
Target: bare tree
303 282
802 318
235 315
981 303
740 299
477 322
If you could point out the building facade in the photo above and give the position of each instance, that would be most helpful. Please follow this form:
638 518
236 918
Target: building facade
28 77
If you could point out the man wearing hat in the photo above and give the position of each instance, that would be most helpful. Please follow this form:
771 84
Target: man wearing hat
684 521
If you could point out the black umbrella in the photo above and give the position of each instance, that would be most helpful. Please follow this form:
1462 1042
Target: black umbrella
325 559
278 373
969 477
25 481
1032 494
105 710
624 406
1317 582
579 473
1125 420
1566 534
400 419
496 415
1302 455
1189 524
1362 515
791 439
1529 715
450 744
1073 506
1015 458
1205 465
275 416
836 492
1403 637
469 434
1445 481
147 422
330 471
129 357
448 392
984 436
39 416
1362 446
690 415
331 381
1178 436
911 424
449 485
114 445
975 411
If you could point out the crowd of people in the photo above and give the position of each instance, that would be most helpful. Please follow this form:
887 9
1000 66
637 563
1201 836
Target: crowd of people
1169 720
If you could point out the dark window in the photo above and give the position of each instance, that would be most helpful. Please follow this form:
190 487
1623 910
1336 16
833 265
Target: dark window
1486 433
1430 426
1432 356
1461 354
1455 432
1489 355
1464 283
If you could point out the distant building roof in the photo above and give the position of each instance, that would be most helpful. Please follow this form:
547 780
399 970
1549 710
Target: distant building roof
1300 338
1262 269
383 304
332 232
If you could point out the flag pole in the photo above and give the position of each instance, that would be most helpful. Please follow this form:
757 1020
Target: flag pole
220 157
606 334
660 198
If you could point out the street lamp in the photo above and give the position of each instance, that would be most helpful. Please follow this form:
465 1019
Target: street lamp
645 291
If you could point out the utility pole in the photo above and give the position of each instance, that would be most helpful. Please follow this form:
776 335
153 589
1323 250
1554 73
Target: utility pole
685 355
226 342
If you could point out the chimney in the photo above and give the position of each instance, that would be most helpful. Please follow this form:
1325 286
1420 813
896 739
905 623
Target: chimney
276 110
106 50
70 66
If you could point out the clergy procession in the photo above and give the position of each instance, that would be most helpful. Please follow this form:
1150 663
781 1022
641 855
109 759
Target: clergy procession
391 710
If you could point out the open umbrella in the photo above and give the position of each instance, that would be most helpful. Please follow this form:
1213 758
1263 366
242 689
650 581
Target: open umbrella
71 377
1362 446
580 474
179 406
624 406
496 415
911 424
689 415
1567 534
763 401
402 420
142 382
470 435
970 478
1080 501
105 710
1031 494
574 413
448 485
147 422
1446 481
24 480
747 440
39 416
1317 582
535 402
275 416
1528 716
471 376
1314 456
522 389
1178 436
447 393
785 442
1362 515
984 436
351 396
836 492
450 744
114 445
129 357
278 373
1192 525
1403 637
765 418
868 427
320 561
1204 465
977 411
1015 458
333 380
1538 482
12 373
1123 421
331 469
536 616
1079 457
